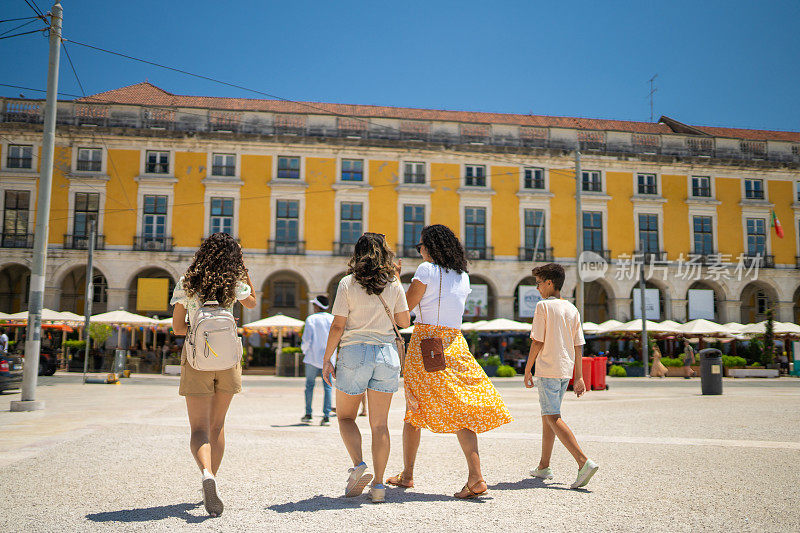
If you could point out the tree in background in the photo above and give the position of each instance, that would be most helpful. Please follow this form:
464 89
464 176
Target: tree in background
768 356
100 333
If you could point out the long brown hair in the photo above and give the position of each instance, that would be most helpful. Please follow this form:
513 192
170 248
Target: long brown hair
372 263
216 268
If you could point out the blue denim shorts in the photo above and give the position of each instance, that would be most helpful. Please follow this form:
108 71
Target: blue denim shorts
367 366
551 392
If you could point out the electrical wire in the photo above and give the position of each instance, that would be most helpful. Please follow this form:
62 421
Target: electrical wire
36 9
18 27
18 18
23 33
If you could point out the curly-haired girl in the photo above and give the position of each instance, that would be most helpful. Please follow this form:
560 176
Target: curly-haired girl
217 273
368 359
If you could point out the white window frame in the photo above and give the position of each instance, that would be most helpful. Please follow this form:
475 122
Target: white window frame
486 178
767 231
149 188
76 153
350 196
364 170
690 187
301 213
542 204
425 169
595 208
545 179
19 185
602 182
473 201
713 216
84 186
302 171
171 167
237 164
648 210
763 188
647 194
34 157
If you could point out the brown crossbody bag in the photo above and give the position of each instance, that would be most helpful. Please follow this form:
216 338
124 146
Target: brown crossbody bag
432 348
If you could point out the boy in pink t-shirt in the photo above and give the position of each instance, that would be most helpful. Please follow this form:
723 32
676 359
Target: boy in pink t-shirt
557 348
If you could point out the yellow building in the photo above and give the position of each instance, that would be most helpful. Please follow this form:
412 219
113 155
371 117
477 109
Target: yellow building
298 183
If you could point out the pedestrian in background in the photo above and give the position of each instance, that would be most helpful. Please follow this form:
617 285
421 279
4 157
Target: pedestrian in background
658 370
315 339
370 304
688 359
458 398
217 273
3 342
556 349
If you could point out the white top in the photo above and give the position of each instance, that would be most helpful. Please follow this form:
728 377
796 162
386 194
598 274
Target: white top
192 304
315 338
367 321
556 323
455 289
3 342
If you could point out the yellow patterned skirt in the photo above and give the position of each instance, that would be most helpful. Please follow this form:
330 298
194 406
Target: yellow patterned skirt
459 397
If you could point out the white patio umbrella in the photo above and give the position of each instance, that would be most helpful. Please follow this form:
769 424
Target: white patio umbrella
48 315
759 328
652 327
733 327
503 324
702 327
4 316
279 324
590 328
670 324
786 328
120 318
469 326
608 326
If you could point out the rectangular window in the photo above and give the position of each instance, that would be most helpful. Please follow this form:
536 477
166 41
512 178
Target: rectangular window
592 181
154 221
352 170
287 223
475 230
223 165
89 159
797 193
351 224
156 162
289 168
475 176
413 222
756 236
221 215
535 237
648 233
593 231
414 173
701 186
646 184
19 156
16 213
87 206
703 235
285 294
754 189
534 178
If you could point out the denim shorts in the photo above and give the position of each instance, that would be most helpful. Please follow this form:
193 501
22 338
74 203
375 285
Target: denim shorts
551 392
367 366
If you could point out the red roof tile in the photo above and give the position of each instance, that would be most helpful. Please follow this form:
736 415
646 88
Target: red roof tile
147 94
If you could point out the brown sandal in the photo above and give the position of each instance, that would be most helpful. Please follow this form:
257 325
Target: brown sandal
471 493
398 481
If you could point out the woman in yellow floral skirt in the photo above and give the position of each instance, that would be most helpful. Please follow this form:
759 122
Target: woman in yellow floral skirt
459 399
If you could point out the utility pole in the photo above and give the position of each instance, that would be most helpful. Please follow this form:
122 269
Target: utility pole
87 305
645 344
652 95
33 338
579 231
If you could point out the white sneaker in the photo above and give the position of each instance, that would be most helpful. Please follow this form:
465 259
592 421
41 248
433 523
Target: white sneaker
377 493
543 473
357 480
585 474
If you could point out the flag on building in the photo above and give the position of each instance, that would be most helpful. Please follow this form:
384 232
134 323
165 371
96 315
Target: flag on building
777 225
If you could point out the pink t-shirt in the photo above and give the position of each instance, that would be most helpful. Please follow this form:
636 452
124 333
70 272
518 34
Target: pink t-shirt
557 324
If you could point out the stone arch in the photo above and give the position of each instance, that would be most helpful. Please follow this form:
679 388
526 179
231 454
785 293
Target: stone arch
596 302
526 281
285 292
73 290
664 300
756 297
14 287
482 310
719 298
154 272
333 285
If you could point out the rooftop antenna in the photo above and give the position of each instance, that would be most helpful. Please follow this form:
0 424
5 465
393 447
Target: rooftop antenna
652 94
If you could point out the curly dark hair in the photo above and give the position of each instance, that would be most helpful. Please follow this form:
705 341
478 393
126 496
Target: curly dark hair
372 263
216 268
444 248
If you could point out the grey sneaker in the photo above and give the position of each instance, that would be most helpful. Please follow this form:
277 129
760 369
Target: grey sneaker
211 499
377 493
543 473
357 480
585 474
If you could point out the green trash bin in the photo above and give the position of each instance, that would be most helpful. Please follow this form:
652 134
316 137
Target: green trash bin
711 371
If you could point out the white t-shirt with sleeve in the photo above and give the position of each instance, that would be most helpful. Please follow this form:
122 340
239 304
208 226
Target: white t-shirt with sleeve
192 304
455 289
556 323
367 321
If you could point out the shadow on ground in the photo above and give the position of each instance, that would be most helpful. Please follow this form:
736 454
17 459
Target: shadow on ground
148 514
320 502
534 483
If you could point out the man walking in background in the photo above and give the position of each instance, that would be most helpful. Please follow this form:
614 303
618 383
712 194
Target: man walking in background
315 338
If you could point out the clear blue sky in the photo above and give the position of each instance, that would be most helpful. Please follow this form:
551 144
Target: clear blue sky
723 63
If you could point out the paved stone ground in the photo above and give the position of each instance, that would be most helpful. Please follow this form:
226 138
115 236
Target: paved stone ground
108 457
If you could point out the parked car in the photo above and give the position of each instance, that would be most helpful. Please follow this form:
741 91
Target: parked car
48 361
10 372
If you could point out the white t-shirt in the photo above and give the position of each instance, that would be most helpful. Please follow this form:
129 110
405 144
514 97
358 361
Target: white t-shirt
367 321
556 323
192 304
3 342
315 338
455 289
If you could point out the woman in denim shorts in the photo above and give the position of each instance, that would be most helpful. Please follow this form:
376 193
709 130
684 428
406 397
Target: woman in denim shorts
368 359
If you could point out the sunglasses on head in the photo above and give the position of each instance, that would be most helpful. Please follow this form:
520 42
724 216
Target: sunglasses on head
381 235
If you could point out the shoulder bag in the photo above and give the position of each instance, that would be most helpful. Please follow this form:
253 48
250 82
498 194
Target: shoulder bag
398 339
432 348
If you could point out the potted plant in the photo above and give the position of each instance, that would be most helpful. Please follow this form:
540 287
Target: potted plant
617 371
732 362
635 369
